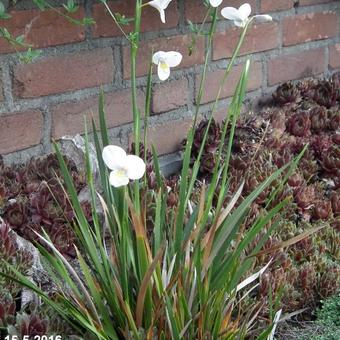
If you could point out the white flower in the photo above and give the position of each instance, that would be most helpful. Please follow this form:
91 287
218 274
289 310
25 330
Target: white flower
263 18
124 167
215 3
239 16
161 6
165 60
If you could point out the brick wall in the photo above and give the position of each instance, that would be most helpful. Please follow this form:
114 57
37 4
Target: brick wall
49 98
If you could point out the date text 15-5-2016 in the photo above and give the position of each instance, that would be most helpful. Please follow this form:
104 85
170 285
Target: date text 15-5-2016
35 337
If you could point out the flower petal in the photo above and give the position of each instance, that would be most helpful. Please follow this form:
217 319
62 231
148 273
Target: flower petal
114 157
156 4
244 11
263 18
173 58
159 5
158 56
215 3
163 71
118 178
240 23
162 13
165 3
230 13
135 167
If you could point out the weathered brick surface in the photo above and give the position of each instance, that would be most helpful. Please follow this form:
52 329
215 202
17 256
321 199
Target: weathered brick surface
177 43
64 73
268 6
314 2
1 90
213 81
167 137
20 130
294 46
170 95
195 10
308 27
334 56
68 118
295 66
42 29
105 26
260 37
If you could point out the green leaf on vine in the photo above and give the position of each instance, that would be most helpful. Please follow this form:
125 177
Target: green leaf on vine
71 6
20 40
87 21
28 56
4 32
194 28
122 19
41 4
3 14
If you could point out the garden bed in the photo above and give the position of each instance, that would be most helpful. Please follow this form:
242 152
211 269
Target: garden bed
299 277
305 113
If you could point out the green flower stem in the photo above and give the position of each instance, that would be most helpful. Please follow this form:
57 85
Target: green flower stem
136 113
147 110
186 190
116 21
226 73
235 114
202 81
134 50
197 161
231 137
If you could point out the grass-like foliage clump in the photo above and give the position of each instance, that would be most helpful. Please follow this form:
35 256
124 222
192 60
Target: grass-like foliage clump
306 113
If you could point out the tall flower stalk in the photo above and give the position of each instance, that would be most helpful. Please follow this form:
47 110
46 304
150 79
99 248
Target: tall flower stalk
206 59
136 113
134 50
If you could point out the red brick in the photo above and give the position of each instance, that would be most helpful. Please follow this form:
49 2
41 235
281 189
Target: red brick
64 73
195 10
167 137
296 66
334 56
268 6
221 114
259 38
308 27
105 26
42 29
168 96
178 43
213 82
20 130
68 118
313 2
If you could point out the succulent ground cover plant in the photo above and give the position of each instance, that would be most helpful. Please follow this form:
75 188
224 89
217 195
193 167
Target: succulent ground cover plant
16 318
19 258
325 327
32 198
304 113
